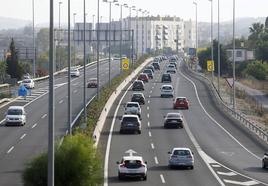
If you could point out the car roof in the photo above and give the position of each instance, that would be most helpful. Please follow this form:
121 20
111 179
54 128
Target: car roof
138 81
92 78
181 148
16 107
130 116
137 93
132 158
180 97
174 113
167 86
132 102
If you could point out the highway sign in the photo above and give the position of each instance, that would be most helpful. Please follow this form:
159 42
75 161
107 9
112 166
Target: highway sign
125 64
210 66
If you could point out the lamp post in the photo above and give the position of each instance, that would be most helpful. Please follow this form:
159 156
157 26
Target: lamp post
120 35
109 35
234 104
93 28
219 50
146 29
129 32
59 57
196 29
84 68
142 31
74 14
98 49
34 54
212 57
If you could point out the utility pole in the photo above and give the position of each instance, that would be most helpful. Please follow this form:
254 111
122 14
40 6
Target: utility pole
234 103
84 68
34 52
219 49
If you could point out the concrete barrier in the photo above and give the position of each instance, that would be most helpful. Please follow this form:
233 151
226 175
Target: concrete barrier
113 97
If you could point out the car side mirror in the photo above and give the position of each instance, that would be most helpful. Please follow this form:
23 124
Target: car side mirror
5 113
192 153
145 162
117 162
164 116
169 152
124 104
120 118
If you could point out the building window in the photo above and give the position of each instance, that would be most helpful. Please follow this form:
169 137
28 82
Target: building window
239 53
229 54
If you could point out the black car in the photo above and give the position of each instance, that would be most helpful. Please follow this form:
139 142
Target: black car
166 78
138 85
138 97
173 120
149 72
265 160
150 67
156 65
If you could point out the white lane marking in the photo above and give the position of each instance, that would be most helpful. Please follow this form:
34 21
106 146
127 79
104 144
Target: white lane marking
147 108
153 87
149 96
148 115
162 178
34 125
148 124
216 166
2 122
247 183
108 147
151 92
156 160
226 173
152 145
61 101
228 133
22 136
150 134
45 115
9 151
148 101
75 91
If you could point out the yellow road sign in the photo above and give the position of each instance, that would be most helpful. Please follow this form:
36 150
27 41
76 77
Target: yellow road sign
210 65
125 64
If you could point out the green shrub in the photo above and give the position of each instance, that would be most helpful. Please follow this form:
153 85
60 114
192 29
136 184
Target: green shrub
5 95
76 163
257 69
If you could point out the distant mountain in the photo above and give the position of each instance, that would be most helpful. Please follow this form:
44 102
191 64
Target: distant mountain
11 23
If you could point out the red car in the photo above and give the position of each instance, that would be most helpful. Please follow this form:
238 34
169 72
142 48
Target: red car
181 103
143 77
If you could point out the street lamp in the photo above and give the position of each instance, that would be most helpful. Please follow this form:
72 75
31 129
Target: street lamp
98 49
146 28
34 54
110 15
93 27
212 57
219 50
234 104
196 29
59 62
117 4
84 68
74 14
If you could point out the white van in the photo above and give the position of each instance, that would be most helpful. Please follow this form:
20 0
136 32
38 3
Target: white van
15 115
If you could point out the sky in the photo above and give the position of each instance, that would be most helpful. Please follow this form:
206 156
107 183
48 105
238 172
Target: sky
185 9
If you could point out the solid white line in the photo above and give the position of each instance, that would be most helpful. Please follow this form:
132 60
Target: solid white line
156 160
45 115
34 125
152 145
22 136
247 183
1 122
216 166
162 178
10 149
226 173
150 134
107 154
61 101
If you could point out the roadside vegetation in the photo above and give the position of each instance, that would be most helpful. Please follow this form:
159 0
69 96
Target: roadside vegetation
77 160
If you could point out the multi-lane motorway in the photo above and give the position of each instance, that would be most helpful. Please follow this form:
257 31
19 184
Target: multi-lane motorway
225 153
19 144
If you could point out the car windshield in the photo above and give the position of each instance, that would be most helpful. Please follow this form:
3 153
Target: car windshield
166 76
138 83
14 112
181 152
133 163
27 81
167 88
147 71
137 95
93 80
181 99
130 119
173 115
132 105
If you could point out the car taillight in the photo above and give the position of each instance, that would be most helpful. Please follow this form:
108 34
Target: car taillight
173 156
143 165
189 157
122 165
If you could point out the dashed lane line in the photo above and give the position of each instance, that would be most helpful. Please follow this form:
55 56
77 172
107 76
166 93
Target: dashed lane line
152 145
162 178
156 160
45 115
61 101
148 108
150 134
9 151
34 125
148 101
23 136
148 124
148 115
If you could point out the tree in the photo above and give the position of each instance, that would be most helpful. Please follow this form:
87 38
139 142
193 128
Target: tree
2 71
205 55
12 62
266 24
258 70
255 33
42 39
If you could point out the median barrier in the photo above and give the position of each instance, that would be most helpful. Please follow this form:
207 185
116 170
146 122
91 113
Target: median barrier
112 98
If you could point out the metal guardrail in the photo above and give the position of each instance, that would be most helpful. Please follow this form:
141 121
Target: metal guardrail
238 116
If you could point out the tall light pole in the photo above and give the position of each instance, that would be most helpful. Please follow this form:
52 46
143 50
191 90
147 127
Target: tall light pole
93 28
51 109
234 104
142 32
74 14
34 54
212 57
196 30
129 32
219 49
109 35
120 35
84 68
59 56
98 49
69 70
146 29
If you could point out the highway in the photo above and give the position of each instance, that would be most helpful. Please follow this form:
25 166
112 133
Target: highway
21 144
225 153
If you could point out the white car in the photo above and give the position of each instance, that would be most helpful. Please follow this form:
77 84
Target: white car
132 166
15 115
28 83
133 108
75 72
167 91
181 157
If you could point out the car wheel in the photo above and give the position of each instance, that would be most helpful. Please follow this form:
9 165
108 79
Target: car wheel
263 165
120 177
192 167
121 132
139 131
145 178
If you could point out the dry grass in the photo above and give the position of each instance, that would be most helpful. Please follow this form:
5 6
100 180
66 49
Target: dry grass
256 84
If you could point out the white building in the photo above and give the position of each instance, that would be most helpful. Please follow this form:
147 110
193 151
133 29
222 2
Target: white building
241 54
189 34
152 33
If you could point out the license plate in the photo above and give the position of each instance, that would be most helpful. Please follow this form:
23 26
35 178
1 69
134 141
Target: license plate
129 124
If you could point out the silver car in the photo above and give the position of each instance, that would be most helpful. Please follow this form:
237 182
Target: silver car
181 157
167 91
